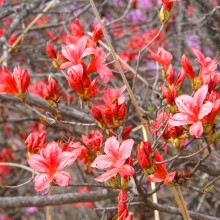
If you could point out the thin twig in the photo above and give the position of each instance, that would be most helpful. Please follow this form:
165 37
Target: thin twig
10 164
78 123
123 16
17 186
47 8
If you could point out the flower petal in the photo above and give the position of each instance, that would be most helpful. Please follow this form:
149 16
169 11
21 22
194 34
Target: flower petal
170 177
102 162
37 162
68 50
200 95
126 148
107 175
62 178
181 119
127 171
67 159
183 102
104 72
81 45
111 147
205 110
196 129
87 52
52 153
42 181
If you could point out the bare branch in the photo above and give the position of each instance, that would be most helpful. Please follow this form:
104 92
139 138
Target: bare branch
41 201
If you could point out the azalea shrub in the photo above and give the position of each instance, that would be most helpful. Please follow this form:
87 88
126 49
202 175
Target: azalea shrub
109 110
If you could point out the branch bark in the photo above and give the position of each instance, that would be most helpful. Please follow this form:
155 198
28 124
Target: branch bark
173 210
41 201
36 101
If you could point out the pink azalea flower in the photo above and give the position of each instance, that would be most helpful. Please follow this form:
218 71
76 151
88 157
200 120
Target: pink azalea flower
113 95
163 57
74 53
192 111
97 65
114 161
49 164
208 67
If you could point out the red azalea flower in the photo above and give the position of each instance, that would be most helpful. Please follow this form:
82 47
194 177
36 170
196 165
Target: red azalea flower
168 4
81 83
113 111
12 39
5 156
123 213
94 140
97 33
208 67
37 88
161 173
35 141
214 98
57 58
144 154
187 66
171 132
127 130
76 28
171 92
15 84
50 91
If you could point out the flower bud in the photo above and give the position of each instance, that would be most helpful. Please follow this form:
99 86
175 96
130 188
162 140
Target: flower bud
144 153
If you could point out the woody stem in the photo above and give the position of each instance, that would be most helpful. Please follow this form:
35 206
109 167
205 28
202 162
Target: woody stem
134 102
153 186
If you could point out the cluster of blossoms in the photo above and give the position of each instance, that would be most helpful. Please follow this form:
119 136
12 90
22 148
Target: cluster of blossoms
81 57
152 164
49 158
199 111
113 112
